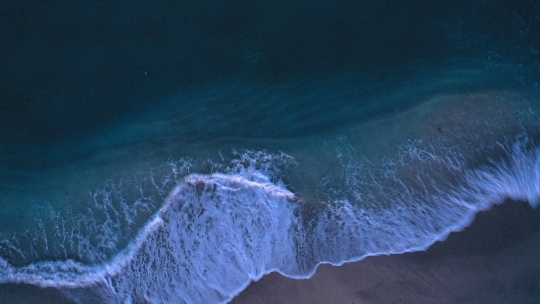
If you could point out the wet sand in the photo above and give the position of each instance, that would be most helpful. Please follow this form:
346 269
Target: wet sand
495 260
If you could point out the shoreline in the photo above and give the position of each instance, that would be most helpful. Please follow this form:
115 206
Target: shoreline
494 260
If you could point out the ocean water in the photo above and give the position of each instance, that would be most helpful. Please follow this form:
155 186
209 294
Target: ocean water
174 152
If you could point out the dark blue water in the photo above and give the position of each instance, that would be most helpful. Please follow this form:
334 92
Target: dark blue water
172 152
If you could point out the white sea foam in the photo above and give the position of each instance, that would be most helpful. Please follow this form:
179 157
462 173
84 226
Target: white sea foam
215 233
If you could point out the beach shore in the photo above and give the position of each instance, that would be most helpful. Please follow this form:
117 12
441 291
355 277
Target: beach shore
495 260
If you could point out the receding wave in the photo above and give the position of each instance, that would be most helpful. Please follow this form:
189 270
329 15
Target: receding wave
216 233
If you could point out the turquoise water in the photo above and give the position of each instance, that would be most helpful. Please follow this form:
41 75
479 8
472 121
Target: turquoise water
150 155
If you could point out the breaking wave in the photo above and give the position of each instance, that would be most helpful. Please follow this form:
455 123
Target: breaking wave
215 233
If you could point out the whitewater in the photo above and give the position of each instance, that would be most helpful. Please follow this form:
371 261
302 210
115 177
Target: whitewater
215 233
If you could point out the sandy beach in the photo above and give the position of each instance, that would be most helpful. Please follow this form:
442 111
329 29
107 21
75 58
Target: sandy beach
495 260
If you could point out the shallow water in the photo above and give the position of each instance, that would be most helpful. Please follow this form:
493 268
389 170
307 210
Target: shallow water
199 155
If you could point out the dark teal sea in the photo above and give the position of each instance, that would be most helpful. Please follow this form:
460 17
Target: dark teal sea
174 151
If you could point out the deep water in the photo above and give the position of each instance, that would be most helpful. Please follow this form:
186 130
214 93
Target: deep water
173 152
